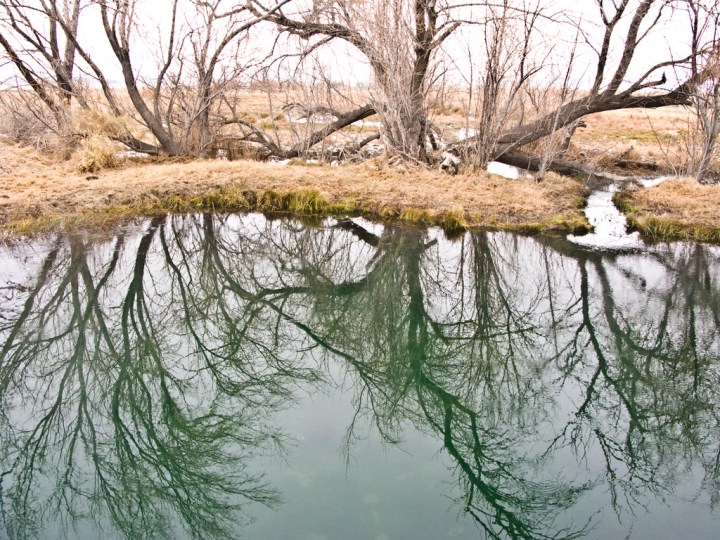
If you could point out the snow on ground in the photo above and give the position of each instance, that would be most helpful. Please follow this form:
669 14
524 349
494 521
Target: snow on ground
506 171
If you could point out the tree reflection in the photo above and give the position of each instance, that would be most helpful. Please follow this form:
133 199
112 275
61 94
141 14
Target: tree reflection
139 375
459 363
644 357
109 410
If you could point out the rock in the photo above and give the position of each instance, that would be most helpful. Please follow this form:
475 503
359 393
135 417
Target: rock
450 163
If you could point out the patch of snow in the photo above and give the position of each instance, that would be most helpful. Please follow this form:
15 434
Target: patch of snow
464 133
126 154
652 182
506 171
450 163
316 118
374 149
610 226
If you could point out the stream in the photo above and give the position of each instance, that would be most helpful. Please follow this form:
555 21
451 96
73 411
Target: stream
608 223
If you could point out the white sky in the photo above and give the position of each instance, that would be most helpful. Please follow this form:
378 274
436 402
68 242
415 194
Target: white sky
348 66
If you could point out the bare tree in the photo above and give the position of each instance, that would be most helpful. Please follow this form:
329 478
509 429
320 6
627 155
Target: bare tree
175 104
182 123
36 40
627 24
185 100
505 73
704 18
399 39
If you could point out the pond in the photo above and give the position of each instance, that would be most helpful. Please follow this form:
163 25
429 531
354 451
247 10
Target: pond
208 375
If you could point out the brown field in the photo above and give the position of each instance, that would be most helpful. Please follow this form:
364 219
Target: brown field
37 193
43 189
658 138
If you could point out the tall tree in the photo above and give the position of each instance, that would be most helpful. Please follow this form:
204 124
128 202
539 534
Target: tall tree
399 39
38 40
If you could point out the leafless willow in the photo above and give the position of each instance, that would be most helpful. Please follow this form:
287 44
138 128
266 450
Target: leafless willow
527 91
704 17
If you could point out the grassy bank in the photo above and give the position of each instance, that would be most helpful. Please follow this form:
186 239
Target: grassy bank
38 195
676 209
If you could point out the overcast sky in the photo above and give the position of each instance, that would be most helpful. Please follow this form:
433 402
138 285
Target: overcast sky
347 65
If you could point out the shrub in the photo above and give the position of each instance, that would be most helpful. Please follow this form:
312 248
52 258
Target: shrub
95 154
95 122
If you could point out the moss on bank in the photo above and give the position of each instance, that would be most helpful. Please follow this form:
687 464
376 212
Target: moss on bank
678 209
301 202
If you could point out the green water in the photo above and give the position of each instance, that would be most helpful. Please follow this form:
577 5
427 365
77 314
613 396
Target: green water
235 376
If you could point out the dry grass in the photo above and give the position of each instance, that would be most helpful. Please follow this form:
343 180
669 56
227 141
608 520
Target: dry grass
646 136
646 140
680 208
95 154
36 193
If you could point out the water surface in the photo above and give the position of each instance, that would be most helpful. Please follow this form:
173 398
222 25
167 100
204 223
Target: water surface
238 376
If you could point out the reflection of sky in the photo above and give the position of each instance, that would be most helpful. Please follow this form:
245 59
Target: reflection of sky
406 490
20 260
383 491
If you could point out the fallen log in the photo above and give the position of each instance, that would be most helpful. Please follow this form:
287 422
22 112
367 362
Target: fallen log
530 162
342 120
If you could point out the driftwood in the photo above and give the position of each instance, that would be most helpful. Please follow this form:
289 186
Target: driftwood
343 120
635 164
530 162
137 145
569 132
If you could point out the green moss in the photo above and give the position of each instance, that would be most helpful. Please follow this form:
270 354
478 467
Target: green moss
387 212
573 223
657 228
415 215
269 201
306 202
623 201
527 228
344 207
452 221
